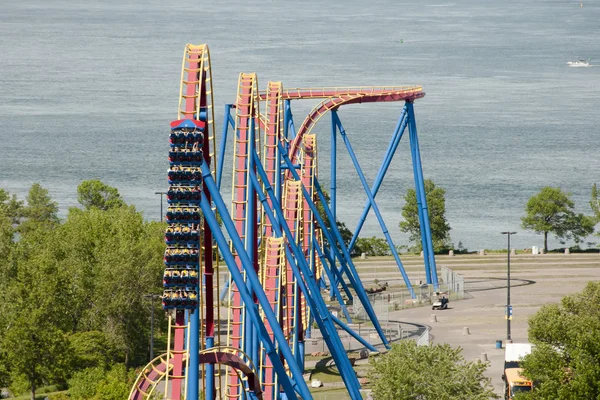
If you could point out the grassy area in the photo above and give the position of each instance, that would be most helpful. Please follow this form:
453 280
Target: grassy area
326 393
40 395
326 374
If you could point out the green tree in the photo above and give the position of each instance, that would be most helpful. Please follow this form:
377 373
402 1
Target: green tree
409 372
96 194
101 384
436 205
10 206
551 211
33 346
72 296
595 204
565 363
91 349
40 212
373 246
344 231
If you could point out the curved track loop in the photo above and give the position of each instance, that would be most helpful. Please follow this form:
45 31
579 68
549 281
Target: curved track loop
239 362
155 372
351 96
149 377
328 92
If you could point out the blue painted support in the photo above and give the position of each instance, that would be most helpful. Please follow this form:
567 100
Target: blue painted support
356 336
353 277
194 340
336 272
210 373
227 120
336 291
306 280
225 289
428 255
333 188
251 342
288 121
384 229
297 326
288 385
287 117
389 155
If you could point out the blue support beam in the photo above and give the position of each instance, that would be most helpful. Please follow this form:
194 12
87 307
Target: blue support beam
227 121
393 146
428 254
353 276
289 386
367 190
333 186
308 285
336 291
337 273
345 327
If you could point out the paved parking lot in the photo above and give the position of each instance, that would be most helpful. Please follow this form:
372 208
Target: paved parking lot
535 280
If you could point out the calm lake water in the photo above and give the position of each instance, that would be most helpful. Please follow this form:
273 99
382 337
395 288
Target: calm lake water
88 90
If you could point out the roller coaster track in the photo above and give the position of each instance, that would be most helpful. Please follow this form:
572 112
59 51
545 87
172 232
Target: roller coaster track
156 371
247 129
275 261
309 171
272 269
192 140
336 97
292 209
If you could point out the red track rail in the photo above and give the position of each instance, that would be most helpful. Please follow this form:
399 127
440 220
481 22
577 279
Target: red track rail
350 97
246 109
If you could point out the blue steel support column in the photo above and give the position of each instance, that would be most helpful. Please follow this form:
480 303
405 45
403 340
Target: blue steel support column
238 279
337 272
194 340
414 140
384 229
223 145
353 334
336 291
333 178
210 373
287 117
307 283
251 342
353 276
389 155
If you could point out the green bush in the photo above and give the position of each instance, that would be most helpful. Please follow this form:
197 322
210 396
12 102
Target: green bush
100 384
59 396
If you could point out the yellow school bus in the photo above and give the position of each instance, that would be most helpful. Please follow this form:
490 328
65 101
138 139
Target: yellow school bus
515 383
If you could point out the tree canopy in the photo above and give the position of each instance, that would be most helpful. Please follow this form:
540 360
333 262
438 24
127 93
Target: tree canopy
96 194
551 211
72 293
409 372
436 205
565 363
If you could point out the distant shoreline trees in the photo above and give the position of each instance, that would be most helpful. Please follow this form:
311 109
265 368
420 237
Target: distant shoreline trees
436 205
552 211
72 291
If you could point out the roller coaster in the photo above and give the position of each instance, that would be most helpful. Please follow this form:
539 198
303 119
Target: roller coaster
283 254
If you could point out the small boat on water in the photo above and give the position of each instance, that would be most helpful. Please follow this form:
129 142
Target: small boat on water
580 63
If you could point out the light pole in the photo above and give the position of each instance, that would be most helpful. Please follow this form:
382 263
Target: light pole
152 297
508 310
161 204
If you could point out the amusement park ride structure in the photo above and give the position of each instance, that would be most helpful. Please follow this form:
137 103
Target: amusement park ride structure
281 254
